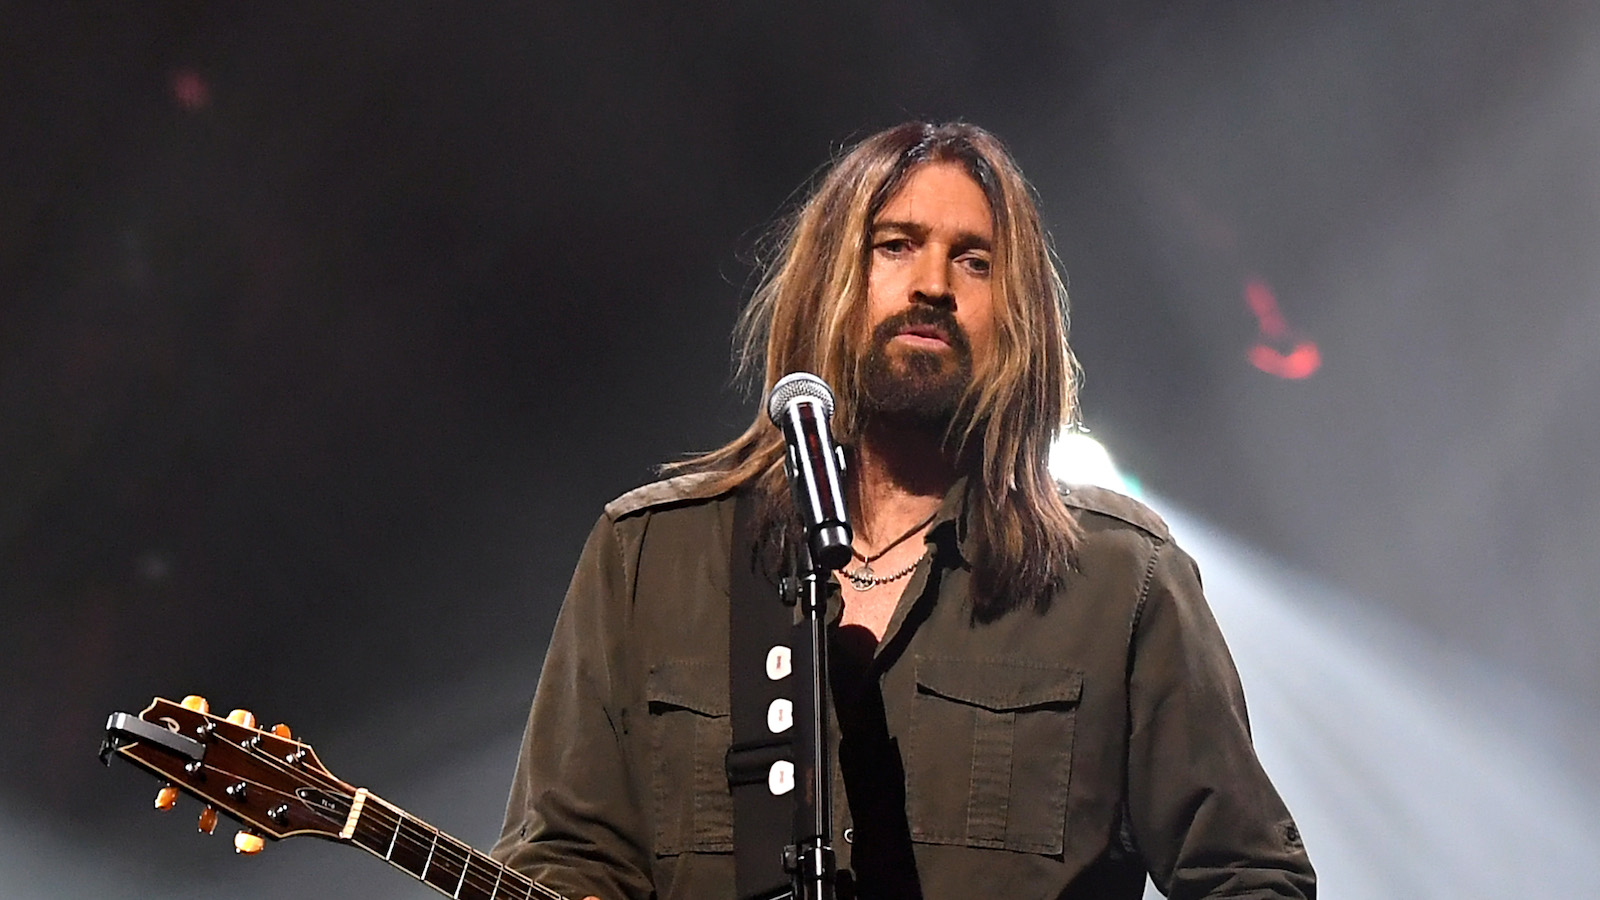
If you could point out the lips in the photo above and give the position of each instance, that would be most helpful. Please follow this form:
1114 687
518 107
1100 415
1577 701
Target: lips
925 331
922 327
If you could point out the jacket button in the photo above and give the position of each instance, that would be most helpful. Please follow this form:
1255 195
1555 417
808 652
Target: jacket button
849 835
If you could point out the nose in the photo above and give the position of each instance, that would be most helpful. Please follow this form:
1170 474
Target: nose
932 283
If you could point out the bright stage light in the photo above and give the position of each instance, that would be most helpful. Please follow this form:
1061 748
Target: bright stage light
1413 769
1077 458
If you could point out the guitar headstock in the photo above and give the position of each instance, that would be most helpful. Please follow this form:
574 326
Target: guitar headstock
270 782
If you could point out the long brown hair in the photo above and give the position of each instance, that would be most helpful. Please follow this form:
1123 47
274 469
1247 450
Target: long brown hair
808 313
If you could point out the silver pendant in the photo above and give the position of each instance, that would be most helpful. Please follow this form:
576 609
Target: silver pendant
863 578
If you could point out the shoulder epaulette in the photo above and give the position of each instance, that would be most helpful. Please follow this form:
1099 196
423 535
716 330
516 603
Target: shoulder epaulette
695 486
1119 506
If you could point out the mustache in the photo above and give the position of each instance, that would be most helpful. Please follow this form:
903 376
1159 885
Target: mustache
931 316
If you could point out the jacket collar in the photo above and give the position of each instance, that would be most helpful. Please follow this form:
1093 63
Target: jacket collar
950 536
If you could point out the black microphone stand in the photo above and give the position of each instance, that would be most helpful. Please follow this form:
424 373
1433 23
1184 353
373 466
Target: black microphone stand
810 859
800 404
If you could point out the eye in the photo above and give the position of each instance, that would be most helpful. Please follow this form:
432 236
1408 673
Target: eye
894 246
975 263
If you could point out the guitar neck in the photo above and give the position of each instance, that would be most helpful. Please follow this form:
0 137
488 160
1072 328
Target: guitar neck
278 788
434 858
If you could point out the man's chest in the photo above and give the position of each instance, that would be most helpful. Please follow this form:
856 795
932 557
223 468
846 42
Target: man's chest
871 609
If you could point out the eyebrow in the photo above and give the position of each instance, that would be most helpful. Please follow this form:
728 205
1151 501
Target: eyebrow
964 239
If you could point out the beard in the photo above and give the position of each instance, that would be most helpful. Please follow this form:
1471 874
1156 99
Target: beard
912 386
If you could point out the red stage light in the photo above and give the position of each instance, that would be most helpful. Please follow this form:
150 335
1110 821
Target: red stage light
1279 351
190 90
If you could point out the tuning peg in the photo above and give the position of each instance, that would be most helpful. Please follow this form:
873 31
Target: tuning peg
243 717
196 703
166 798
247 842
281 730
208 819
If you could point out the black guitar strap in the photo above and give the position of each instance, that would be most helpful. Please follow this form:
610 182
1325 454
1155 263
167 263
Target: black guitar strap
763 689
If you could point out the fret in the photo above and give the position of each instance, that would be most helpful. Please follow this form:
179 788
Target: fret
432 846
475 883
499 873
466 863
436 859
413 848
447 864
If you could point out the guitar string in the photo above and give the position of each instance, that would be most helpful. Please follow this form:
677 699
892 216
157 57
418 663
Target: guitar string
413 834
410 833
444 850
415 839
464 857
419 831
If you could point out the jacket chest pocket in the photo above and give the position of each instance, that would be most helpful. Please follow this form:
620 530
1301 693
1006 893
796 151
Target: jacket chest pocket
689 736
991 753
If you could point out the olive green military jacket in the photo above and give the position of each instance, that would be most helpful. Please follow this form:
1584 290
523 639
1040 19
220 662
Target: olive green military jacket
1053 752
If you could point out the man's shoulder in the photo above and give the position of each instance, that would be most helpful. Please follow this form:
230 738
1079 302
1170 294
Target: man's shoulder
692 489
1106 502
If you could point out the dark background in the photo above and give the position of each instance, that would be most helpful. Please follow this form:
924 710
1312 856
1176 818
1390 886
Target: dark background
326 329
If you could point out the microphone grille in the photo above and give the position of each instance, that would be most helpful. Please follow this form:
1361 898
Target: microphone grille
793 386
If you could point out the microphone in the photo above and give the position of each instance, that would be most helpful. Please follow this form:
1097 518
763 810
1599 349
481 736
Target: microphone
800 405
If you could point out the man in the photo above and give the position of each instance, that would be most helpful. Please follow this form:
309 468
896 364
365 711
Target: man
1032 697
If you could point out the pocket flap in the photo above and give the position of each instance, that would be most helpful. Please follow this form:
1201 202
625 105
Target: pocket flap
998 684
692 684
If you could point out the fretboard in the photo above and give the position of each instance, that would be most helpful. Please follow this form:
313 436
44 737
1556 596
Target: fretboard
436 859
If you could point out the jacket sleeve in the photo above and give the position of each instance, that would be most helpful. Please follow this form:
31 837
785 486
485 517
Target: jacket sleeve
1203 814
573 821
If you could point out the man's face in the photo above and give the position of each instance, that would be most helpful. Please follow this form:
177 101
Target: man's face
929 300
